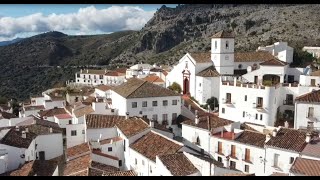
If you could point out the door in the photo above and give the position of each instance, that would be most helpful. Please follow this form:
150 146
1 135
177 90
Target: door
247 155
310 112
290 79
42 155
289 99
313 82
256 79
186 86
228 100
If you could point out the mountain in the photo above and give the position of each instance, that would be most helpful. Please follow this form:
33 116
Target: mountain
164 40
4 43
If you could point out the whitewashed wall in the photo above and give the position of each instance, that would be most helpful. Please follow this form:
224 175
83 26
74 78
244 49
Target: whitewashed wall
51 144
75 140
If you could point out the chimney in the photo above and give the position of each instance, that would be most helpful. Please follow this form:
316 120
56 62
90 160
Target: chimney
151 123
50 129
196 120
221 134
308 137
268 137
127 115
274 132
87 70
24 135
26 130
81 71
286 124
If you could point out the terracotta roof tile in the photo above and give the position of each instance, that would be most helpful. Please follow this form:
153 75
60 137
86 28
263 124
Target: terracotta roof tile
137 88
209 72
78 166
98 152
38 168
5 107
31 108
208 122
78 150
153 144
313 96
223 34
103 87
274 62
132 126
96 121
5 115
289 139
83 111
256 56
112 73
107 141
52 112
279 174
307 167
121 70
178 164
252 138
312 148
153 78
63 116
315 73
122 173
202 57
104 167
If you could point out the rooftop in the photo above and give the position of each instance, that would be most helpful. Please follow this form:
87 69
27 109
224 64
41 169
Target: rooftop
252 138
63 116
201 57
52 112
312 148
98 152
32 108
223 34
122 173
152 145
153 78
306 167
107 141
137 88
98 169
209 122
313 96
178 164
274 62
209 72
96 121
83 111
78 150
315 73
36 168
289 139
103 87
6 115
132 126
78 166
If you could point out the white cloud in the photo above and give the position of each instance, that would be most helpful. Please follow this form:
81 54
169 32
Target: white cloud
85 21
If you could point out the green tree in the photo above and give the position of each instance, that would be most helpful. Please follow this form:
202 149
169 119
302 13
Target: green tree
302 58
213 103
3 100
233 25
175 87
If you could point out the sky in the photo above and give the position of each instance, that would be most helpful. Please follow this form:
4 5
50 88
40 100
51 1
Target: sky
25 20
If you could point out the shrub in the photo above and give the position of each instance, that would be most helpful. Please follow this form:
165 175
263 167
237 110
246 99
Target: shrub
175 87
212 102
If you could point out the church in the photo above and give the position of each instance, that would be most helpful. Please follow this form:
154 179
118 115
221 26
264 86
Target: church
200 74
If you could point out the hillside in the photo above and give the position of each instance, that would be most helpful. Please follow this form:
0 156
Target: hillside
165 39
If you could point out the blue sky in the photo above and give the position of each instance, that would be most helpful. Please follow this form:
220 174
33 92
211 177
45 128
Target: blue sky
24 20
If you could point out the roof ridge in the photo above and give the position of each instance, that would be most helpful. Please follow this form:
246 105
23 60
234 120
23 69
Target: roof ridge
144 81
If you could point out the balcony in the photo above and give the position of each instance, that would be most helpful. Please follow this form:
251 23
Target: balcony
288 102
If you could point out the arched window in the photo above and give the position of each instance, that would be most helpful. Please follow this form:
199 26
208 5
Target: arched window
227 44
198 140
240 66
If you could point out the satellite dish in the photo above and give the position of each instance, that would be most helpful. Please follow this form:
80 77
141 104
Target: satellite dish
249 69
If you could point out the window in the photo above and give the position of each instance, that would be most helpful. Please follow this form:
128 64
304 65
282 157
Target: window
89 76
233 151
155 117
134 104
109 149
135 161
256 116
174 116
223 110
219 159
100 76
70 121
124 145
78 75
245 98
165 103
261 117
289 99
291 160
101 82
164 117
83 131
310 112
228 98
220 147
276 160
227 57
240 66
244 114
247 155
199 84
144 103
145 117
84 80
259 102
198 141
232 165
150 169
78 80
215 45
174 102
246 168
120 163
73 133
143 162
227 44
154 103
84 76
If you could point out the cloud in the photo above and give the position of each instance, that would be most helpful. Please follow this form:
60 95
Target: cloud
85 21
